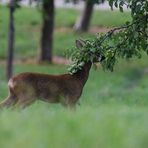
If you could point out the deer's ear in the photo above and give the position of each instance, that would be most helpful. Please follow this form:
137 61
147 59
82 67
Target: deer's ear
80 43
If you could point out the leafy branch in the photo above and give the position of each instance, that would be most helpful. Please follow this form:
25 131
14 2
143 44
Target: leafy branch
125 41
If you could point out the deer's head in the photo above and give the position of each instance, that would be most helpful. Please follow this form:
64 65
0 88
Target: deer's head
80 44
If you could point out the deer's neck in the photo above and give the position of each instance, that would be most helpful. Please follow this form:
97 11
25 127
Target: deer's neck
83 74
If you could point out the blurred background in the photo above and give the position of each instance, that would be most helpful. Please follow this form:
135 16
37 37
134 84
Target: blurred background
35 36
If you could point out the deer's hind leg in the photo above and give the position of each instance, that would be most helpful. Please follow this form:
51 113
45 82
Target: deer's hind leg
23 103
25 99
9 101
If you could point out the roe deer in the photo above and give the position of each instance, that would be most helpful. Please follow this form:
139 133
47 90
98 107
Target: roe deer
25 88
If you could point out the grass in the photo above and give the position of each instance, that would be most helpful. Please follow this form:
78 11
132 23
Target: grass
87 127
113 112
114 106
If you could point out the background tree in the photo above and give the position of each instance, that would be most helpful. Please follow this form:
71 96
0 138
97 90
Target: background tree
9 69
83 21
47 30
46 41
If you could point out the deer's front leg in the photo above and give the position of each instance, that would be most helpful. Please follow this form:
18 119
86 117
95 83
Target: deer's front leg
68 102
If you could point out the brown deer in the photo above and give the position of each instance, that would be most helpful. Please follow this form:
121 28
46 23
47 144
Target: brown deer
25 88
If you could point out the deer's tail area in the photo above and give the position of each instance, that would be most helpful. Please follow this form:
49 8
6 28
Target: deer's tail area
8 102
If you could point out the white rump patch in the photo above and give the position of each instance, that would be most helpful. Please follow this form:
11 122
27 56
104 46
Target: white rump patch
10 83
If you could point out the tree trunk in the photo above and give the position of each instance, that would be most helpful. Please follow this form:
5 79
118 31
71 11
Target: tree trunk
9 69
47 31
82 24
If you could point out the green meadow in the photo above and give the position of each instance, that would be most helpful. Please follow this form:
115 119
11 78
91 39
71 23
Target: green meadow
113 110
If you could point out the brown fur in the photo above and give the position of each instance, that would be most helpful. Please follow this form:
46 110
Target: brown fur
25 88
